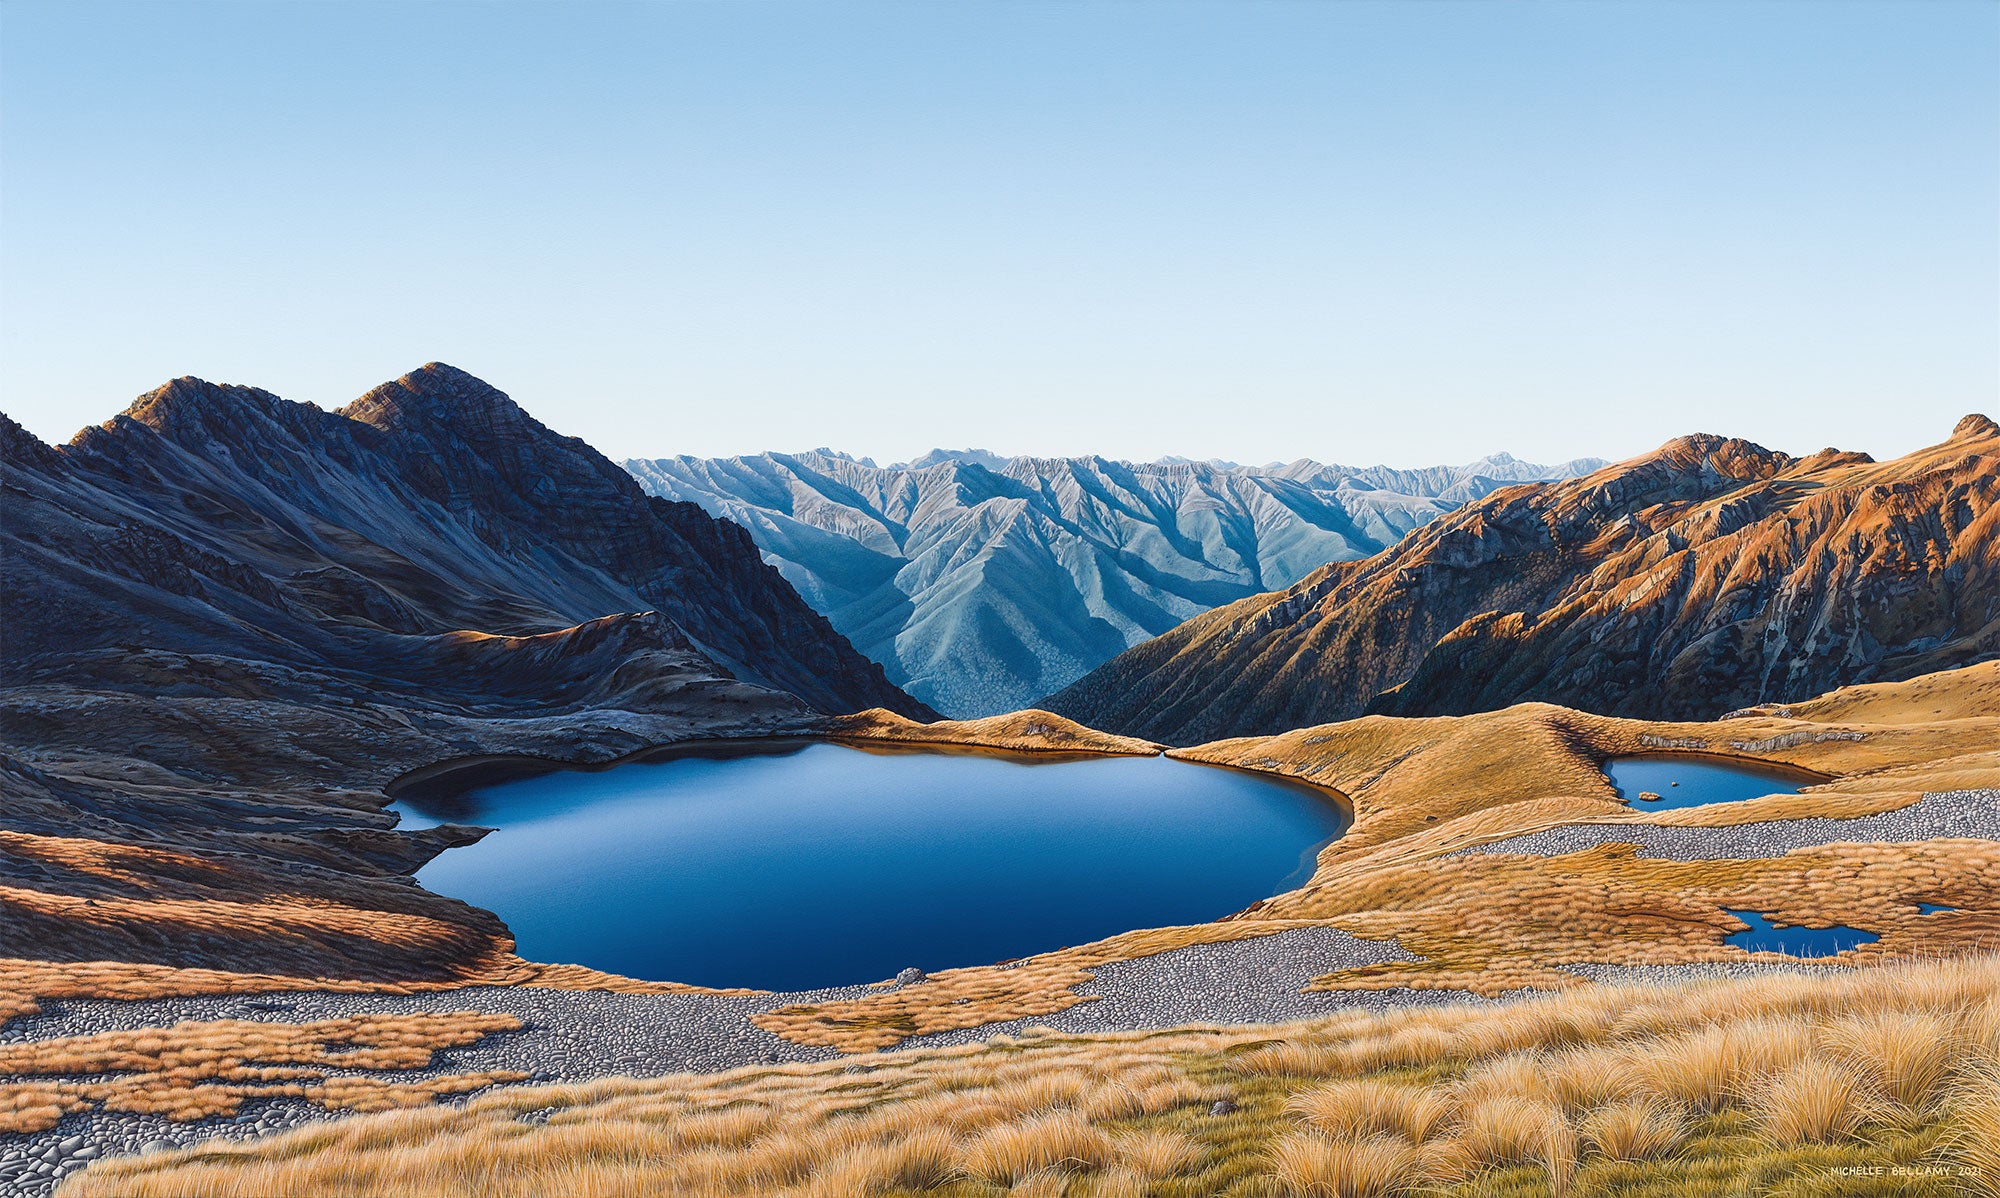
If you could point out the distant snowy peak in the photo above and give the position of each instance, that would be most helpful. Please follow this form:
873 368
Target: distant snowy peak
1434 481
964 457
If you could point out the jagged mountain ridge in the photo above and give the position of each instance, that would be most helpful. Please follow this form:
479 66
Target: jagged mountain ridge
981 582
1711 574
431 505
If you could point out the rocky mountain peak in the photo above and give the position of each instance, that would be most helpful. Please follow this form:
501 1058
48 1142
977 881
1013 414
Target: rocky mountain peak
190 405
19 447
1974 426
439 394
1731 457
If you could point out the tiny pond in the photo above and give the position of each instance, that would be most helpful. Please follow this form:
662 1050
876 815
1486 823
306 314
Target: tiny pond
802 865
1687 780
1763 936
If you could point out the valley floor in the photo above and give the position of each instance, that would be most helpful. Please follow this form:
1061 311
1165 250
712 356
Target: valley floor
1489 870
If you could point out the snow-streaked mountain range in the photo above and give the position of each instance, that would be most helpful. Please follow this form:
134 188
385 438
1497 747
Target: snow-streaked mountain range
982 583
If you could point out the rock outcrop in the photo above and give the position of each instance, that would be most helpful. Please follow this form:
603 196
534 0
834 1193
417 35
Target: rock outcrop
1709 575
982 582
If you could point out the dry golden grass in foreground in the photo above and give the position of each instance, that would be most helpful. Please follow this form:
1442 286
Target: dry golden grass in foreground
195 1070
1882 1081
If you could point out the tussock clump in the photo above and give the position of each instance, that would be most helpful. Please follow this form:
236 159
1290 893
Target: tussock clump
1907 1055
1118 1182
1583 1079
1364 1108
1294 1058
1812 1102
1310 1165
922 1161
1040 1093
1709 1068
1412 1045
1516 1075
1515 1131
1974 1140
1637 1129
1061 1142
1157 1153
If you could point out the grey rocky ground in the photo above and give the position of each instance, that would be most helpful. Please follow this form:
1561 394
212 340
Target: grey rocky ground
576 1035
571 1035
1956 814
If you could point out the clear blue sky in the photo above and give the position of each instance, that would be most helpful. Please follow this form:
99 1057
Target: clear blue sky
1411 233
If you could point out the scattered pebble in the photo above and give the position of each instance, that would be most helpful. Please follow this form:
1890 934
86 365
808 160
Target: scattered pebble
1946 815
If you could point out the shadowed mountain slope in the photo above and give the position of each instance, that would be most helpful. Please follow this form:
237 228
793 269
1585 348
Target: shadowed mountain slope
224 519
1708 575
228 622
983 582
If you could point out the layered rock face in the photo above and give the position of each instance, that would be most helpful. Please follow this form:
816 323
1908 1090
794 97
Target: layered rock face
1710 575
983 582
229 620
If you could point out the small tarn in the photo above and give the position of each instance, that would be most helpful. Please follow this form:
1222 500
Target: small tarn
1685 780
1762 936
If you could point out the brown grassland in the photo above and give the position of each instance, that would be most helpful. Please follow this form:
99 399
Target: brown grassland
193 1070
1015 732
1869 1082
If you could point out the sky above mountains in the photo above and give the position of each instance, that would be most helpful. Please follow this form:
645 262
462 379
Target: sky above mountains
1407 233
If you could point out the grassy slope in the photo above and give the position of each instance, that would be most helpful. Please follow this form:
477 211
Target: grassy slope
1876 1082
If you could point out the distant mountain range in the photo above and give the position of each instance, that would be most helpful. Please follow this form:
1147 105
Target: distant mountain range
1708 575
982 582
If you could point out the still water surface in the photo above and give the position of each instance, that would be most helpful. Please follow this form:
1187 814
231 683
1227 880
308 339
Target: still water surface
1683 780
818 864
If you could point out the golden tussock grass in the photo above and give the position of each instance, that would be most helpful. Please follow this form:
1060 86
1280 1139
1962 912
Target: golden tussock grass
1315 1166
1154 1153
1516 1130
1974 1137
1811 1101
1025 731
1366 1107
193 1070
1727 1085
1907 1056
1636 1129
1057 1143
